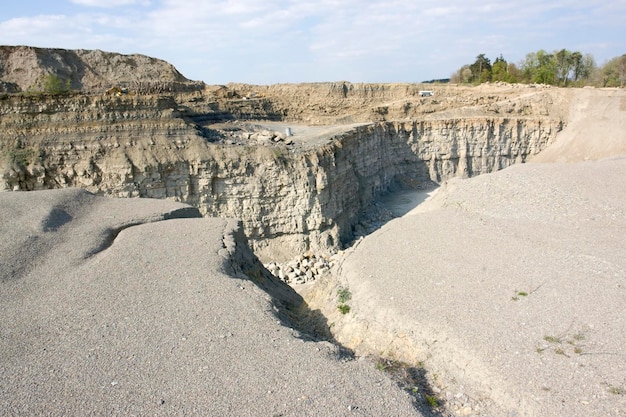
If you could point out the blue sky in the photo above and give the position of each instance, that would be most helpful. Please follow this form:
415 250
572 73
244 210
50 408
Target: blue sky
280 41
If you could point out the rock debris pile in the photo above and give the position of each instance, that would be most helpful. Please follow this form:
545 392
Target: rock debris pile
305 268
233 134
372 218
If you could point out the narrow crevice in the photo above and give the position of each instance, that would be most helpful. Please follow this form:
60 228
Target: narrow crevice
293 312
290 308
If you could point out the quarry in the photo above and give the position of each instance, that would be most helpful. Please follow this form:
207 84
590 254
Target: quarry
225 153
316 186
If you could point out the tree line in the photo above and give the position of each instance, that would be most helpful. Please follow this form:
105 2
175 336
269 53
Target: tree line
560 68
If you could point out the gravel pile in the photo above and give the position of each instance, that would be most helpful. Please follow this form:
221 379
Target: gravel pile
305 268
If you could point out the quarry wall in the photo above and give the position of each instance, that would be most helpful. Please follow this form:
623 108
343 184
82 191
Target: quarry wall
290 199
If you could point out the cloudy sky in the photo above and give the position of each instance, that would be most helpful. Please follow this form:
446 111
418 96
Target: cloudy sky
276 41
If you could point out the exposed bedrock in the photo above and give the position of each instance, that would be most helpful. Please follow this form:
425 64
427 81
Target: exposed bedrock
291 199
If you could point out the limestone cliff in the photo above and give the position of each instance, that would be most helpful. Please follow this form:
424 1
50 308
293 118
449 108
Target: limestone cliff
291 198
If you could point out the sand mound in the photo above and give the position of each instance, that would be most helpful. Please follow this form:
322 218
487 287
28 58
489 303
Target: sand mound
596 128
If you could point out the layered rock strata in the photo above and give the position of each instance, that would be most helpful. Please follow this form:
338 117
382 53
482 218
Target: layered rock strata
291 198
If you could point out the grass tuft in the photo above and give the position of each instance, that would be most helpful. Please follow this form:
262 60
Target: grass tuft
552 339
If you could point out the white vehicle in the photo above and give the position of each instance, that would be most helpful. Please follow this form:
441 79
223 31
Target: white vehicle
425 93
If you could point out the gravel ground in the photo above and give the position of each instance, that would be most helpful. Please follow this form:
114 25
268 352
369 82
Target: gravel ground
123 307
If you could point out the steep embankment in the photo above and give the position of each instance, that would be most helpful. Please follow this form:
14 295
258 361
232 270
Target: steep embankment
596 128
291 198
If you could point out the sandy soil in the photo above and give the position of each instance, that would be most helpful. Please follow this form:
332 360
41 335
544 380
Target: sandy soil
596 127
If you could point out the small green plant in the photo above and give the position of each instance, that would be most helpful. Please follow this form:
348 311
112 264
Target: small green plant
431 400
617 390
21 157
552 339
410 378
519 294
389 365
279 153
562 343
19 154
344 295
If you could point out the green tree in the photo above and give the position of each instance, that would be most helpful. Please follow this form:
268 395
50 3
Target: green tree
608 74
563 64
529 67
577 65
500 71
462 75
539 67
621 70
613 73
515 75
588 67
481 69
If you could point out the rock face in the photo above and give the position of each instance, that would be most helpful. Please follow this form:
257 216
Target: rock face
212 147
291 198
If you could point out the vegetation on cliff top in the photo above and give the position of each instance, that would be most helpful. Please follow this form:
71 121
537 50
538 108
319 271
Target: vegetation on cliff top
561 68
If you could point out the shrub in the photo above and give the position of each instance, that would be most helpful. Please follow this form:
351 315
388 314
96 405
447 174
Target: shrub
54 85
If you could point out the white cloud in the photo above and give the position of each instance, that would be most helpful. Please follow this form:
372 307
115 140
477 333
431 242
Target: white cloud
307 40
91 31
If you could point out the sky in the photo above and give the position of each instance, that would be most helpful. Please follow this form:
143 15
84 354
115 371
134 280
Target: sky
289 41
